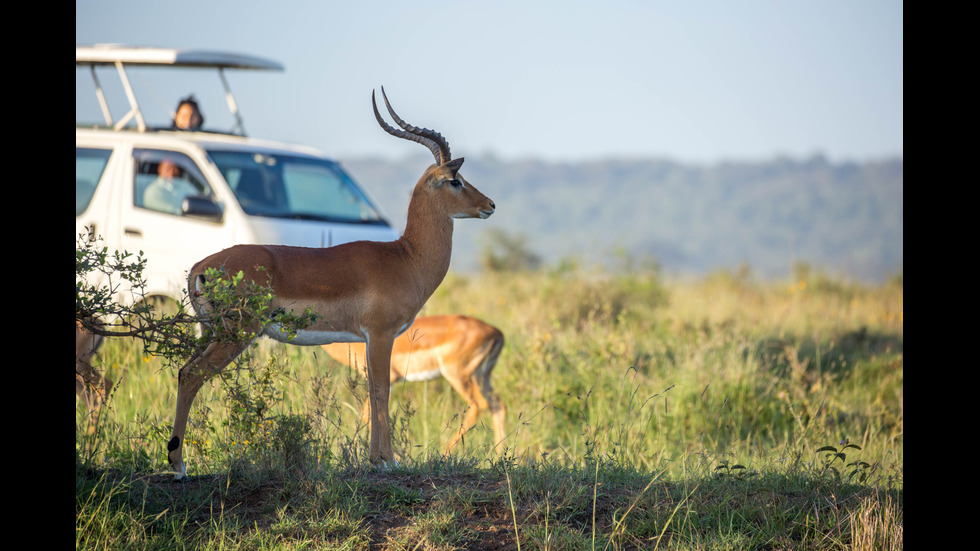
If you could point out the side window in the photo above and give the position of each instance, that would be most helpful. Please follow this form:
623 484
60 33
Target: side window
89 166
164 178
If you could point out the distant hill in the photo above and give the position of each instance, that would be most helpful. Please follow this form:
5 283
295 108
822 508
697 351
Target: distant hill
844 218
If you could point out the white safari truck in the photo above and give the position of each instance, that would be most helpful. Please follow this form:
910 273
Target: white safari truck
242 190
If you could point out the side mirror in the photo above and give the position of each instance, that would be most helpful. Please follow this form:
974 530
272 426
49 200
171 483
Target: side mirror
199 206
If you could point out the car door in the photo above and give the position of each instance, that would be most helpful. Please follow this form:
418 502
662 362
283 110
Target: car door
154 222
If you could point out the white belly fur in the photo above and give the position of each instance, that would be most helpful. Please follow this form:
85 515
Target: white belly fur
415 376
311 338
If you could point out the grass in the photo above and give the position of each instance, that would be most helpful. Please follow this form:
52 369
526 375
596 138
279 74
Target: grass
642 413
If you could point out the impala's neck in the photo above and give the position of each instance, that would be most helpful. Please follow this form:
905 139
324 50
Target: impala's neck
428 239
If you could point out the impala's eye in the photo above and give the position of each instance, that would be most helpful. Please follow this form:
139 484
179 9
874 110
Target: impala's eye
455 182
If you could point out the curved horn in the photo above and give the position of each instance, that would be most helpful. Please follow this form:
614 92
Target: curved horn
429 138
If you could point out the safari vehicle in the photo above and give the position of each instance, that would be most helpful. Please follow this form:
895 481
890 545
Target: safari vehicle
242 190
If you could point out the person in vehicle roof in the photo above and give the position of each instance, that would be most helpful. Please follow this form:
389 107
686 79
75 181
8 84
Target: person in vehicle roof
188 115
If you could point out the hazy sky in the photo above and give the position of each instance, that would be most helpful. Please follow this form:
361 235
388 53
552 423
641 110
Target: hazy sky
690 80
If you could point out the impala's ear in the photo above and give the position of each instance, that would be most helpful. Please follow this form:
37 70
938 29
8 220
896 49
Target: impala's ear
453 166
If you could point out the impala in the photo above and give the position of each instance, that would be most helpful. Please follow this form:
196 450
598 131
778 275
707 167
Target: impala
90 385
363 291
461 349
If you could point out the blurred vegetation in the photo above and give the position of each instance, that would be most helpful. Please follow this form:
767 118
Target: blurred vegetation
503 252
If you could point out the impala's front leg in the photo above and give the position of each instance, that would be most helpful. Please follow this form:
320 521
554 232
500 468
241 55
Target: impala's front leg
379 387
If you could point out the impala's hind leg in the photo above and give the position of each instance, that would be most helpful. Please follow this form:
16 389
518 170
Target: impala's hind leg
469 390
201 368
498 411
473 384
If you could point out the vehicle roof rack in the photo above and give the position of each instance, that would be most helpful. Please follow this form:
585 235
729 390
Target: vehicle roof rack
120 56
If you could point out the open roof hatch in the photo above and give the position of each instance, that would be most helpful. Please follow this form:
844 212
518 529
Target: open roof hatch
121 56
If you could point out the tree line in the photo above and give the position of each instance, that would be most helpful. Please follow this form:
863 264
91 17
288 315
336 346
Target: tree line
844 217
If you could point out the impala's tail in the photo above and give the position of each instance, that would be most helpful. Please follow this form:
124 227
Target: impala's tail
198 296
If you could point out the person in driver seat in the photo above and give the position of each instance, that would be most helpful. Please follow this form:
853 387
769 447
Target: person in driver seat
167 192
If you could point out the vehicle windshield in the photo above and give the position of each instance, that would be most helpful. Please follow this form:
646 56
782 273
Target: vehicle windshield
285 186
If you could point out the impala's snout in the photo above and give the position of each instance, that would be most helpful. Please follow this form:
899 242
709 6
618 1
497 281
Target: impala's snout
486 211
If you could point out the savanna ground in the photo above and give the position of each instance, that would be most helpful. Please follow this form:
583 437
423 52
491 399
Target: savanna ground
642 413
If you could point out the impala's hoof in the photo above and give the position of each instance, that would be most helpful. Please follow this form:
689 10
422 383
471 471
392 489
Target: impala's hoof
178 465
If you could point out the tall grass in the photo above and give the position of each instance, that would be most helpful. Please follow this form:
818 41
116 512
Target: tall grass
629 367
679 379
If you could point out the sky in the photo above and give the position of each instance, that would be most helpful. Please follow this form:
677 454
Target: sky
560 80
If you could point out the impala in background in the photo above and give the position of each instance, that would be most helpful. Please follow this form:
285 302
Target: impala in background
460 349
